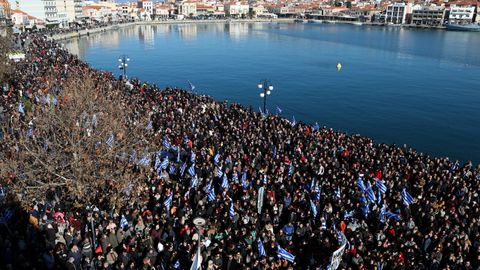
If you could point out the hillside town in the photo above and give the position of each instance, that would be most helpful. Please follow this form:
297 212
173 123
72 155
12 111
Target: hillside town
67 13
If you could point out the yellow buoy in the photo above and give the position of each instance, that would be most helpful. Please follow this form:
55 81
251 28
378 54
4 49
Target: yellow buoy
339 66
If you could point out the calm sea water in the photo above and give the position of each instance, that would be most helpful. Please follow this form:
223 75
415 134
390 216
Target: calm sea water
414 87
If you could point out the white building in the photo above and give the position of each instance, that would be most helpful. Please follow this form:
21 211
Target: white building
237 9
396 13
51 11
188 9
461 14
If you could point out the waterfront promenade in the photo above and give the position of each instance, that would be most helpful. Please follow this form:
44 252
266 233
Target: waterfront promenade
115 177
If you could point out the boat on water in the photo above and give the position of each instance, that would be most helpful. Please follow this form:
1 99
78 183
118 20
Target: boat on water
357 23
299 21
315 21
471 27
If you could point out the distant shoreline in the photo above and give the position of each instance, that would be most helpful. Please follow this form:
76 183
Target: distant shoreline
82 33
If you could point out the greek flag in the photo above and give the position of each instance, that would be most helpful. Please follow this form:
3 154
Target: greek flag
265 181
274 152
317 192
168 201
21 109
294 122
232 211
455 166
261 250
290 169
381 186
164 163
260 109
407 198
279 110
192 157
219 173
366 210
123 222
361 185
316 127
244 181
109 141
172 169
182 169
191 170
150 125
194 182
235 177
348 214
158 163
211 194
165 143
177 265
283 254
145 161
392 216
381 215
314 208
29 132
216 159
192 87
338 193
225 181
370 194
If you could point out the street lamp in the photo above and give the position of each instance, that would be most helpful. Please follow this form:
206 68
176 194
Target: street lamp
199 222
123 64
267 87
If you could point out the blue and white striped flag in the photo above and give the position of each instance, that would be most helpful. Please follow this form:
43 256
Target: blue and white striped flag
158 164
316 127
244 176
192 157
313 207
110 140
216 159
166 143
392 216
191 86
172 169
194 182
211 194
381 186
225 181
235 177
283 254
348 214
290 169
361 184
177 264
265 181
338 193
168 201
455 166
318 192
407 198
370 194
123 222
261 249
191 170
164 163
279 110
231 212
381 215
145 161
149 125
182 169
365 210
21 108
219 173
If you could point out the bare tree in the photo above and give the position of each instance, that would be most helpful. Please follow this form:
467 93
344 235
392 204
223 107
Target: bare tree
81 141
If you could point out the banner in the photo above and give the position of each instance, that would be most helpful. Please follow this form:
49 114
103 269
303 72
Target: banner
261 192
337 255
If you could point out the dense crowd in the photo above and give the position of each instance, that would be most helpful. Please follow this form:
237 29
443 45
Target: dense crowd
257 180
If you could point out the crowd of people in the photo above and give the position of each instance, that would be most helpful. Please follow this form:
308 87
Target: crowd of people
274 194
